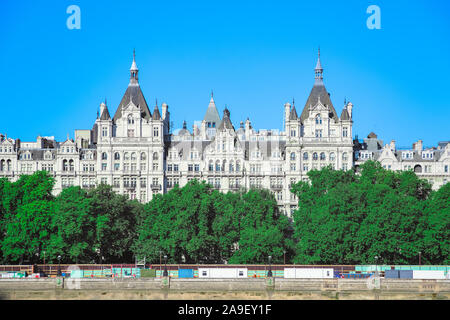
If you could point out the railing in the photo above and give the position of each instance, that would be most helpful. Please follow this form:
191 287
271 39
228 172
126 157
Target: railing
156 187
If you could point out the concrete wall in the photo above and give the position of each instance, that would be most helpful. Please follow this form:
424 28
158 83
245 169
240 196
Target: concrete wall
200 285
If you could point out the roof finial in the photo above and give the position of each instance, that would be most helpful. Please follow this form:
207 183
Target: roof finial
134 53
212 93
156 102
319 70
293 101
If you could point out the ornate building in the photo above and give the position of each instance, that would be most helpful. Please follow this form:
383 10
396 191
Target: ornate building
137 154
432 164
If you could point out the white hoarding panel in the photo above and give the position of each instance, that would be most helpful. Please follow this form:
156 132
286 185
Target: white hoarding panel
308 273
289 273
203 272
428 274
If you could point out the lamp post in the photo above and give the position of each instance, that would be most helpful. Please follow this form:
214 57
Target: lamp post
284 256
59 266
165 273
269 273
376 266
420 262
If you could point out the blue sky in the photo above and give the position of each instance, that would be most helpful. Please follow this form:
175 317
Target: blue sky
255 55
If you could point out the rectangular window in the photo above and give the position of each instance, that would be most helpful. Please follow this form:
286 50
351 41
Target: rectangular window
104 166
143 182
175 167
169 167
345 132
116 182
446 168
104 180
190 167
196 168
130 133
116 166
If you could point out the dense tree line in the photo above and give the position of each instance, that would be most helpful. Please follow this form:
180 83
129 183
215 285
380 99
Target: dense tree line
343 218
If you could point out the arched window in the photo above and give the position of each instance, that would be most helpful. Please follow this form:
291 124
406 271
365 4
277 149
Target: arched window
143 156
104 156
8 165
322 156
130 119
71 166
315 157
65 166
292 155
2 165
344 156
238 166
133 156
155 156
126 156
305 156
116 156
332 156
224 165
318 119
231 166
217 165
211 165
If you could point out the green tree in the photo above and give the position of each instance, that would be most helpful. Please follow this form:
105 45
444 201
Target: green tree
435 225
29 206
74 227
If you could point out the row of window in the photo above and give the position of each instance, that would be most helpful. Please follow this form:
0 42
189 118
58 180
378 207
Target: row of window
322 156
6 149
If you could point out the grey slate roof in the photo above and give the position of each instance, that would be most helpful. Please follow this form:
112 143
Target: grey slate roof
156 114
212 115
317 91
134 91
293 115
345 115
105 114
184 147
226 122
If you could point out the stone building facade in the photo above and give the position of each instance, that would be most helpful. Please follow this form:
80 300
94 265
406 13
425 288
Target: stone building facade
136 152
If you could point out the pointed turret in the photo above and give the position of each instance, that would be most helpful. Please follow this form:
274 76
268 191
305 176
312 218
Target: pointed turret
134 69
156 114
319 94
104 113
344 114
293 114
226 122
212 117
133 94
319 70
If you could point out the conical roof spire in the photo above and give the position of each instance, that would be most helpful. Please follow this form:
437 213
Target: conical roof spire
134 70
319 70
133 64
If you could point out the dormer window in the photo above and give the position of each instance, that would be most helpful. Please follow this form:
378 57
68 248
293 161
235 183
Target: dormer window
318 119
130 119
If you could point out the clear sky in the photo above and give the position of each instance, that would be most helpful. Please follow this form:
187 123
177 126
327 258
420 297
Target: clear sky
255 55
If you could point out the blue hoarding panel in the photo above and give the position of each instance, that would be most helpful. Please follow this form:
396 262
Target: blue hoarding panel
185 273
406 274
391 274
